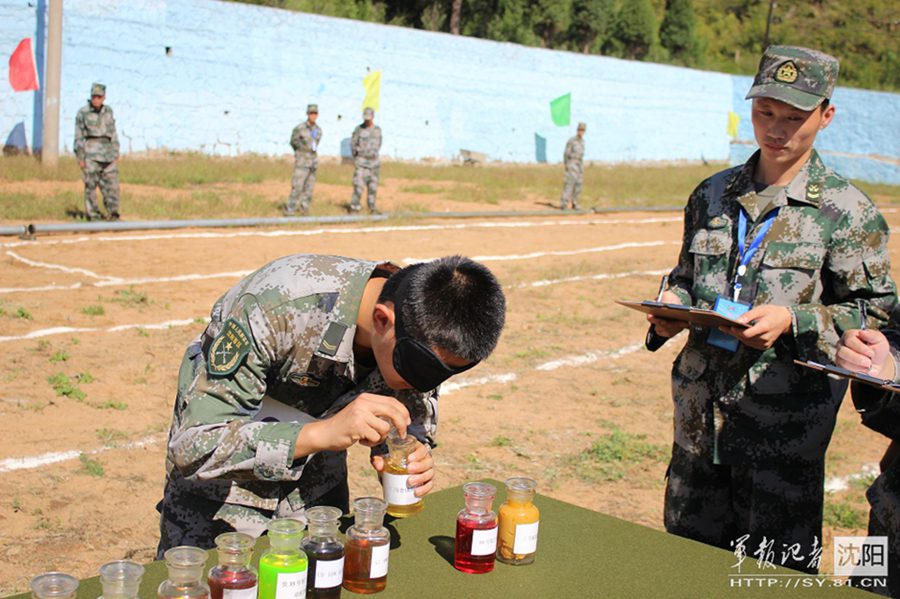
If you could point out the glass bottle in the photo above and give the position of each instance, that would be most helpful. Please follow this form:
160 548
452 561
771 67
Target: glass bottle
283 566
185 565
121 579
233 577
401 500
368 548
325 551
476 530
54 585
519 519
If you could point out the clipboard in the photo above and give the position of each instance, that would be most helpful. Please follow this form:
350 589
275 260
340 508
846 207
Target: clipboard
831 369
697 316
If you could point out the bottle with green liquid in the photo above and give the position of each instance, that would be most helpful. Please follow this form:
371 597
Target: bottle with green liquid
283 566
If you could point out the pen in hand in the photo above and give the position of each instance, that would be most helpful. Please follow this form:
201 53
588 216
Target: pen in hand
663 284
861 305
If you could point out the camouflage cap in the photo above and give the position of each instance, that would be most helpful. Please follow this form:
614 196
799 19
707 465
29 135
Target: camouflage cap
582 127
98 89
312 108
798 76
368 113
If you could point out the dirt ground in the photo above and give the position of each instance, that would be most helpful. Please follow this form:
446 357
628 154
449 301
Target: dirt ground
573 376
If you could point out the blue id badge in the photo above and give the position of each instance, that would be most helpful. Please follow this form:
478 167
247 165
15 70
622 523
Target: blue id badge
731 309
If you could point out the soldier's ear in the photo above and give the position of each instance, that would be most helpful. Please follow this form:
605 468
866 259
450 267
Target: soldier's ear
383 317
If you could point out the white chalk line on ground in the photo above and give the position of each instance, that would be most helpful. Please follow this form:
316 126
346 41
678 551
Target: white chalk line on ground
833 484
598 277
115 329
531 255
38 461
351 230
45 459
69 269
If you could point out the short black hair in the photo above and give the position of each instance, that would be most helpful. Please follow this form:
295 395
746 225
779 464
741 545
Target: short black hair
452 303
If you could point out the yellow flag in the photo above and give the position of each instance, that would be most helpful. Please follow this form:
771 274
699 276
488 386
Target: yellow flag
733 120
372 85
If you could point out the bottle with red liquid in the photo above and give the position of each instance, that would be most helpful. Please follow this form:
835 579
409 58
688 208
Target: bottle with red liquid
233 578
325 551
476 530
368 548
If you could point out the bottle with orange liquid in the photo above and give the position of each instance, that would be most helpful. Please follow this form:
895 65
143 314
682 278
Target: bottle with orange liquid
401 499
368 548
519 519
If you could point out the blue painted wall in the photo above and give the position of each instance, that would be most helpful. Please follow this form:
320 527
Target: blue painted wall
237 79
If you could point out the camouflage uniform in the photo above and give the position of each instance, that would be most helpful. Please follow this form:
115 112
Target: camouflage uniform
281 337
365 145
880 411
305 139
97 147
574 159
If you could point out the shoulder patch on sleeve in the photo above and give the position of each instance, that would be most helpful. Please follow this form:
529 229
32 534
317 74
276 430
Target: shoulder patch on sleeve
228 349
332 339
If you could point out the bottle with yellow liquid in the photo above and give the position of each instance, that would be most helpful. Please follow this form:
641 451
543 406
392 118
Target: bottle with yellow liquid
519 520
401 499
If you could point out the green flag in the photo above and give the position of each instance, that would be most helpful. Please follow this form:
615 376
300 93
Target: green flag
561 109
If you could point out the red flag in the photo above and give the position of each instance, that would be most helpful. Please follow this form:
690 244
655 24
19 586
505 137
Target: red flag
23 75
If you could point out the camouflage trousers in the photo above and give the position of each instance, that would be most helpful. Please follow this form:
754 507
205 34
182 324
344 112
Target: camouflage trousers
302 184
106 175
188 519
727 506
364 178
571 189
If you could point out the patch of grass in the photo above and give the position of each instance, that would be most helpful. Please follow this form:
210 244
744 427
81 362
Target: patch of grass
42 346
83 378
423 188
130 297
142 332
74 340
609 457
501 441
495 397
65 387
843 514
60 355
864 481
17 504
93 310
110 436
22 312
199 320
112 405
90 466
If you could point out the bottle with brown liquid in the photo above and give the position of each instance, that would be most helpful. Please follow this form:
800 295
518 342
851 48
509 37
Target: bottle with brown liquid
233 578
368 548
401 499
519 520
325 551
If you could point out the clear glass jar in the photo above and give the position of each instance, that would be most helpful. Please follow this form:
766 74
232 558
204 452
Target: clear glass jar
401 499
519 520
368 548
233 577
476 530
54 585
121 579
185 565
325 551
283 566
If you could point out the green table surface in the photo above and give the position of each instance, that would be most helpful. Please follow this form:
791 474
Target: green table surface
580 554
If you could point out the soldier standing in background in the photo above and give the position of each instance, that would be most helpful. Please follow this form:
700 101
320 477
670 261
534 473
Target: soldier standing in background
365 145
574 159
787 246
305 140
97 148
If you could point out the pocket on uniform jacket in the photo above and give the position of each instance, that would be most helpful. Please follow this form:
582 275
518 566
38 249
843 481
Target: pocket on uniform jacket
710 249
790 272
691 364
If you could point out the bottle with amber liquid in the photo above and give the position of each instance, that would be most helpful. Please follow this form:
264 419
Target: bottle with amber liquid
233 578
185 565
368 548
283 566
519 519
476 530
401 499
325 551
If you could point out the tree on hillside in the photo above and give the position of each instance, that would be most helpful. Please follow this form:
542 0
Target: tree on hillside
591 20
455 11
677 33
634 28
549 18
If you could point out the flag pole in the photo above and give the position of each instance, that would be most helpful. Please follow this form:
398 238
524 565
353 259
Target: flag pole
50 146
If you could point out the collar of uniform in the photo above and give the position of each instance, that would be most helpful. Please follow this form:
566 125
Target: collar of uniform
806 186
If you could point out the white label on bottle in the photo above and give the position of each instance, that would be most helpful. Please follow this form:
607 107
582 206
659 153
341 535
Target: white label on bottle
239 593
484 542
526 538
378 567
330 573
395 490
291 585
